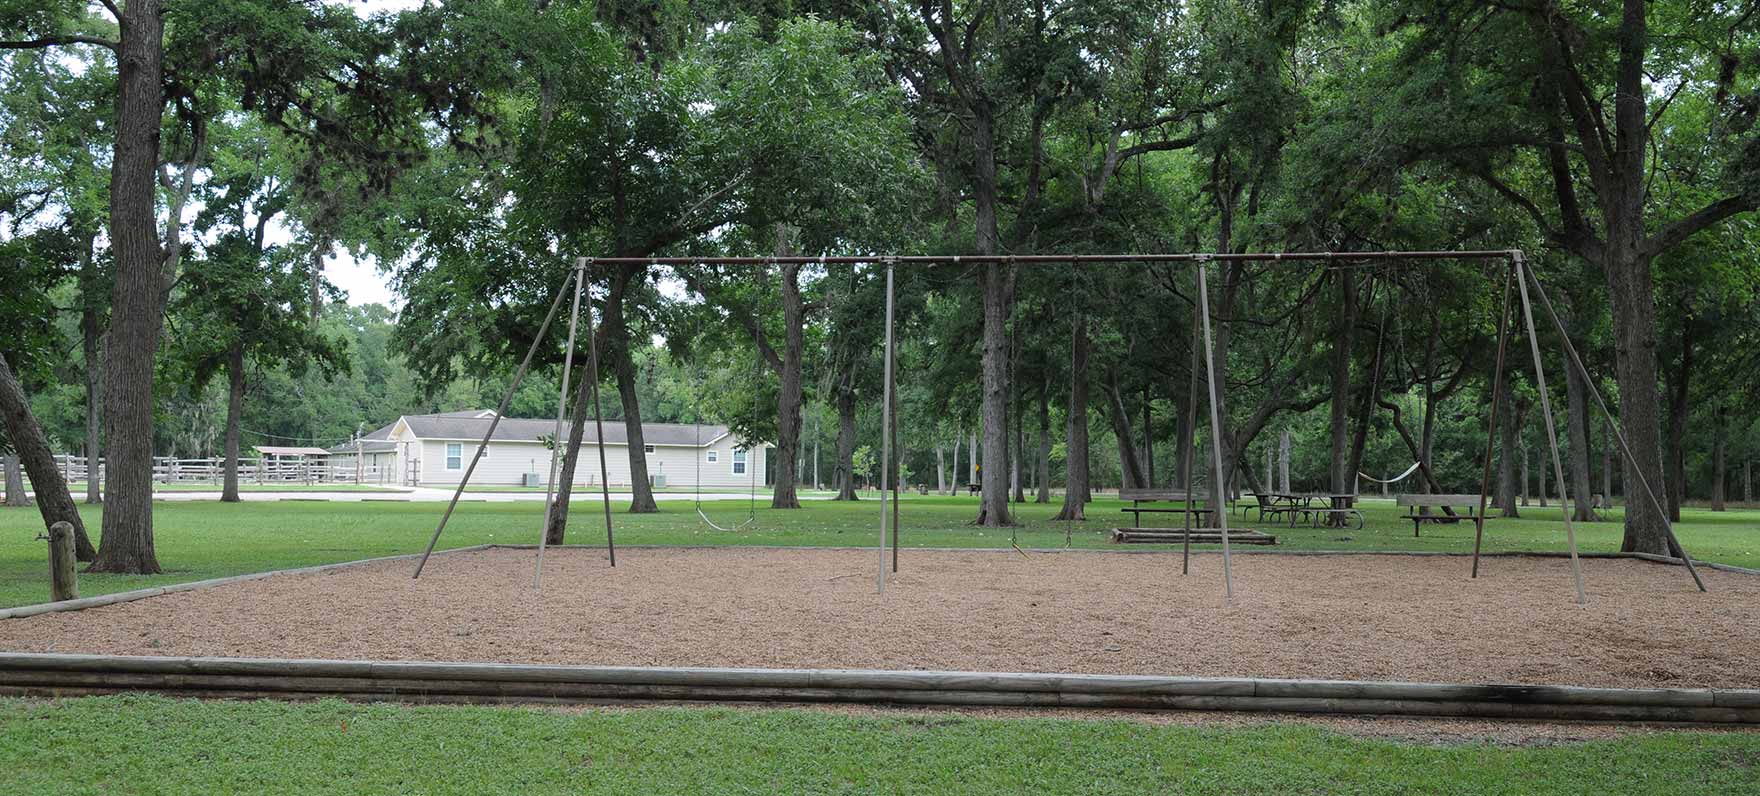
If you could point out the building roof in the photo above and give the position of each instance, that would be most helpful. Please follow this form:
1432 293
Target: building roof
470 425
278 450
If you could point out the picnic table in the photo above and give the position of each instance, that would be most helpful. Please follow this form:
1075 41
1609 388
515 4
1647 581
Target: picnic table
1311 506
1138 497
1339 509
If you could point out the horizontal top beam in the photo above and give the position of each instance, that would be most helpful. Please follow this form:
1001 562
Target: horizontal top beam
1067 259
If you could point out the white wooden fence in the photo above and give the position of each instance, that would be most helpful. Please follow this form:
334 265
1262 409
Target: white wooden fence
169 470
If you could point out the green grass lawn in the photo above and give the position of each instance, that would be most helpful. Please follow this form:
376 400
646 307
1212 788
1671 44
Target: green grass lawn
152 745
211 539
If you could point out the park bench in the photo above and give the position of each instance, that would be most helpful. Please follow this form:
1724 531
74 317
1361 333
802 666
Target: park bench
1138 497
1415 505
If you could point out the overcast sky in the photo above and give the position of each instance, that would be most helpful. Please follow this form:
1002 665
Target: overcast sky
361 278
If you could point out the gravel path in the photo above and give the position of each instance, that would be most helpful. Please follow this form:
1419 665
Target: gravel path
1346 617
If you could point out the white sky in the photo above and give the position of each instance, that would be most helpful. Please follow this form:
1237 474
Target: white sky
361 279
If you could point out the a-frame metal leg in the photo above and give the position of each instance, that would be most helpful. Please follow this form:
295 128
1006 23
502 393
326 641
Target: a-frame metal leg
1491 430
1575 360
1570 531
1221 493
580 267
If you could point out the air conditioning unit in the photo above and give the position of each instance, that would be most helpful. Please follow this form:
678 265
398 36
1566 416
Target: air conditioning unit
533 479
657 480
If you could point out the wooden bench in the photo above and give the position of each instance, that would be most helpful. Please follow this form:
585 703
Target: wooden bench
1197 536
972 489
1138 497
1415 504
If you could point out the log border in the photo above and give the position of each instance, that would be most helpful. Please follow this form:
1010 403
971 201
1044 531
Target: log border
62 675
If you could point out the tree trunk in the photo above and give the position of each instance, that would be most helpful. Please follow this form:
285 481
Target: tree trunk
1525 481
1542 460
940 470
137 299
974 466
1634 326
1678 410
1148 438
788 399
91 334
1510 447
1372 393
1129 468
31 450
617 337
1019 486
1576 421
15 492
1719 473
1606 462
1075 490
1043 476
234 411
1344 335
556 531
1286 448
846 444
993 479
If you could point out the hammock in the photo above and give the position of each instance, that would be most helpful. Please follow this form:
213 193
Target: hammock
1394 480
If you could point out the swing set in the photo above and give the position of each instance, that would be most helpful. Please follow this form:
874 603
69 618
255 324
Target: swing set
1517 274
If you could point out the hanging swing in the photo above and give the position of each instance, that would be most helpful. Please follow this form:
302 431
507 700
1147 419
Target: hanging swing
751 469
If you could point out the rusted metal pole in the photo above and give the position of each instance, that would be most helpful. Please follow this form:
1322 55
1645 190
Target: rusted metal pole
1185 561
886 435
599 430
1075 259
1491 433
1220 512
1564 502
580 267
1625 449
518 376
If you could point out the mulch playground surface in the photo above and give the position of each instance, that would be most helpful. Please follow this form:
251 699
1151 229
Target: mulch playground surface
1376 617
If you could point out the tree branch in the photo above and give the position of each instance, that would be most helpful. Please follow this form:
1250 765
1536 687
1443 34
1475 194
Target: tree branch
56 41
1676 233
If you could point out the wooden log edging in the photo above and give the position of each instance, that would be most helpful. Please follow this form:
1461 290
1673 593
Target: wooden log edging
56 675
83 603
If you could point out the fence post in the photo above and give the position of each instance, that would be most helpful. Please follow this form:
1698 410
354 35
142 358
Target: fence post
63 580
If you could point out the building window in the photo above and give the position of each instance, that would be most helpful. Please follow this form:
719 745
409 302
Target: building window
714 456
647 449
739 461
454 456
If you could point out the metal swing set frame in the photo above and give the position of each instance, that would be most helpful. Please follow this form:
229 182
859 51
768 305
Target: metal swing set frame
1517 273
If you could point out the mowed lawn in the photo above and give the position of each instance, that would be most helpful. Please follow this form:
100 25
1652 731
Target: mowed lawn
197 540
153 745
